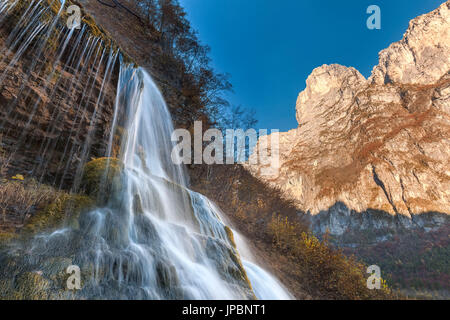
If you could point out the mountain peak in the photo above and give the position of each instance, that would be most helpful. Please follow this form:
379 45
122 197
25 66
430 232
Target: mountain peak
421 57
324 89
375 145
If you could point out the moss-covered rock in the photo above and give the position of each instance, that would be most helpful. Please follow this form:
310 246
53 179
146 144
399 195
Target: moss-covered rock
229 264
237 259
101 176
230 236
240 272
66 209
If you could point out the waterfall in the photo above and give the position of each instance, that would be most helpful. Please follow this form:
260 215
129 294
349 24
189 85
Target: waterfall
149 236
166 229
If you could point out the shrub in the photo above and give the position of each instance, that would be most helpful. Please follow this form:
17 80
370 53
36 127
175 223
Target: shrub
23 195
65 209
324 271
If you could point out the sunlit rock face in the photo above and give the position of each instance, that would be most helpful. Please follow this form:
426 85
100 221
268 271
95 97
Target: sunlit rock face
380 145
421 57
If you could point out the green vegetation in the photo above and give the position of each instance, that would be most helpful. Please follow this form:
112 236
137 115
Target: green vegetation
65 209
101 176
230 236
27 207
19 199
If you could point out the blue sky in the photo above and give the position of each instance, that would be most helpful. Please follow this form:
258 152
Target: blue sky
270 47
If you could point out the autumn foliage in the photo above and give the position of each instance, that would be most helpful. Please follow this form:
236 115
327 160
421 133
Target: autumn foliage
323 271
310 268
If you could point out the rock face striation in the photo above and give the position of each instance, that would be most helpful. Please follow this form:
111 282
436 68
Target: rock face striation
374 153
56 97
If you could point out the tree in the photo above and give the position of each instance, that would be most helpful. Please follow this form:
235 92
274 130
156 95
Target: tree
202 87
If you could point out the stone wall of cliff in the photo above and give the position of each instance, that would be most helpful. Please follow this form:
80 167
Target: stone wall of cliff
374 153
47 106
54 93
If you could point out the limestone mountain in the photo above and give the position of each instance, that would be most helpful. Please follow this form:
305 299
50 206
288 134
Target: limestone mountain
376 145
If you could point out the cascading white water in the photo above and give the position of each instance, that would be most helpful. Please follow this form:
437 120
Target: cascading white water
5 6
152 237
169 230
265 286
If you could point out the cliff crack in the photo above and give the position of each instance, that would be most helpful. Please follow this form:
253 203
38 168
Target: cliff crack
403 197
383 187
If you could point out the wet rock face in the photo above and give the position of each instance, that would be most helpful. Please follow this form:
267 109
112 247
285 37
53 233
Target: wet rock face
47 107
376 145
